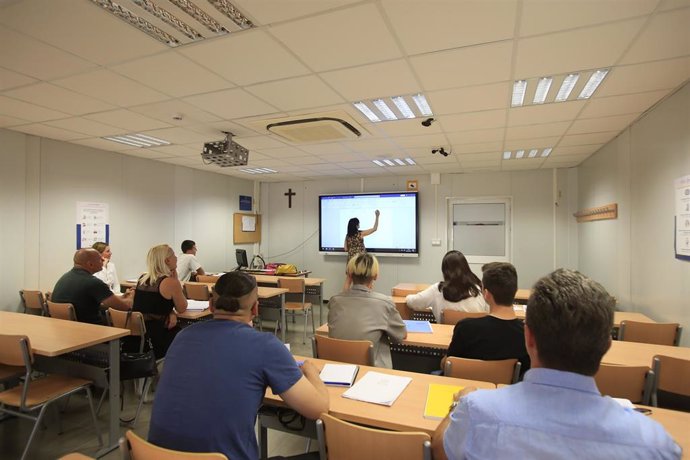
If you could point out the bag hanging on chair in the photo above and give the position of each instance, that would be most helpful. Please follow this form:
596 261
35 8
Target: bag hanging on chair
136 365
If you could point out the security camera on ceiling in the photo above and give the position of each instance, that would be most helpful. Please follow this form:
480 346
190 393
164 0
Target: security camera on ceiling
440 151
428 122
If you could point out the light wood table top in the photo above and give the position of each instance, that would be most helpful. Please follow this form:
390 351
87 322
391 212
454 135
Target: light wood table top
641 354
676 423
406 413
54 337
264 293
618 316
403 289
440 338
272 279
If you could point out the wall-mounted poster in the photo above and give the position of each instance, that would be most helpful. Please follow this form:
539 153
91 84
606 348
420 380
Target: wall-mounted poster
92 223
245 203
682 236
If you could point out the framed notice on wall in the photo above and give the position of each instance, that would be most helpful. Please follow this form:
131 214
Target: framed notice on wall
682 227
92 223
246 228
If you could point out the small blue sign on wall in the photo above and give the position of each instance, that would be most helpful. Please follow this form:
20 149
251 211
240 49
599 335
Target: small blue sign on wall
245 203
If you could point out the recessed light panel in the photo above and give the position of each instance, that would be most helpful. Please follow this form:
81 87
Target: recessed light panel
138 140
394 108
540 87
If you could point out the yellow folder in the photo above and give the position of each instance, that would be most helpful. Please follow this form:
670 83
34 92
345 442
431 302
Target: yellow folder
438 400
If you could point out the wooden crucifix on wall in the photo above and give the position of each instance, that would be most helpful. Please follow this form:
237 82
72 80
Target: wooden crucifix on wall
289 194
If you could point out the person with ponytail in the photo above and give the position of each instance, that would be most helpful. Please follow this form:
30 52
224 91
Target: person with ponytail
460 289
216 374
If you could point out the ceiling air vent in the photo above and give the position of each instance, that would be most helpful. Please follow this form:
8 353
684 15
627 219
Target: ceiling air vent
330 127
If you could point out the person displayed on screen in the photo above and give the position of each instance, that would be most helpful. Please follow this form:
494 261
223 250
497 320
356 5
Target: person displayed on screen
556 412
358 313
216 374
459 290
188 267
354 240
109 273
158 295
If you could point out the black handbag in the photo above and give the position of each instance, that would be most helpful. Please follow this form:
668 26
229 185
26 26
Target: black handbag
137 365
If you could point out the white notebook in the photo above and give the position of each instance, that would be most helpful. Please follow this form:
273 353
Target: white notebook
197 305
339 374
378 388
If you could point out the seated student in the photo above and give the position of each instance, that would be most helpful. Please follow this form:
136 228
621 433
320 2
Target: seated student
216 374
459 289
556 412
499 335
86 292
361 314
158 295
109 273
188 267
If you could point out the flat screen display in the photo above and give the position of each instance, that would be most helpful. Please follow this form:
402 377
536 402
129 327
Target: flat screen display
398 231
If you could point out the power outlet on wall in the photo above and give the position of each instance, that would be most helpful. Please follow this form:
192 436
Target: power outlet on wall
436 242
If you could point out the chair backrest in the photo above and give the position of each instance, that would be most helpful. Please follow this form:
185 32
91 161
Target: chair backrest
137 448
33 301
293 285
672 374
15 351
630 382
454 316
656 333
207 278
340 440
136 325
61 310
196 291
498 371
344 351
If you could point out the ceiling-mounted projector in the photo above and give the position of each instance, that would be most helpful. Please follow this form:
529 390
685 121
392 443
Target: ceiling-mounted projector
225 153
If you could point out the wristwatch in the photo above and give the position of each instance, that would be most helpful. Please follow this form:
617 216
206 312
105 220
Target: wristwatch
453 405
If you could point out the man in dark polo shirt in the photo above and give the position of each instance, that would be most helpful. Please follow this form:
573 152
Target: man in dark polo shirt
86 292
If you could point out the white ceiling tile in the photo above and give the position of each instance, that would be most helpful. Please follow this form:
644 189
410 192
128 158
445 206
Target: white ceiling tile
296 93
126 119
24 110
407 127
259 142
305 160
544 113
270 11
283 153
531 131
186 161
649 76
428 140
666 36
469 121
57 98
98 143
574 150
521 164
84 126
151 154
557 160
178 151
65 24
439 25
476 136
533 143
338 157
158 71
333 148
31 57
334 43
597 125
178 135
672 4
167 111
470 99
480 165
49 132
563 52
9 79
11 121
588 139
248 57
472 157
540 16
477 148
391 78
231 103
111 87
370 145
474 65
618 105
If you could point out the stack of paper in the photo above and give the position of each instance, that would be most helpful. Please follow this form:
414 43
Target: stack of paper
378 388
339 374
439 399
197 305
418 326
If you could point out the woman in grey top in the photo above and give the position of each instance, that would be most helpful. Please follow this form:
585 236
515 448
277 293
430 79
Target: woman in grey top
358 313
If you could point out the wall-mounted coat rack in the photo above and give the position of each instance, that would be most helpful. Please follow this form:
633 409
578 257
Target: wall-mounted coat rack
608 211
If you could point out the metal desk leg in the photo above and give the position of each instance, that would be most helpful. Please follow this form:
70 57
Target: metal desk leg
263 441
283 321
114 397
320 304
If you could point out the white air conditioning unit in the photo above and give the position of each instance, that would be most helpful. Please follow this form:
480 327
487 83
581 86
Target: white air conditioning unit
318 127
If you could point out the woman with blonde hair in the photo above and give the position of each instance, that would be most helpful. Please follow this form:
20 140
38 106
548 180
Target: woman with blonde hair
158 295
108 274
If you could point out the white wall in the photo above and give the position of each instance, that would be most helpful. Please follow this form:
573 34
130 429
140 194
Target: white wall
150 203
291 235
633 256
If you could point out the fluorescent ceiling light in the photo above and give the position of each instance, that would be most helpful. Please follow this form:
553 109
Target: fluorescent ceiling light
389 162
138 140
519 154
378 162
402 106
399 161
258 171
362 107
593 83
542 90
546 152
410 161
519 88
384 109
533 153
422 104
567 86
506 155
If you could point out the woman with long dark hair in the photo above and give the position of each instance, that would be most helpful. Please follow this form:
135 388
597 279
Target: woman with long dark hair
354 241
460 289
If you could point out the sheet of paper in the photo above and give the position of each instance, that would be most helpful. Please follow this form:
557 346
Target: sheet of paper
197 305
248 223
378 388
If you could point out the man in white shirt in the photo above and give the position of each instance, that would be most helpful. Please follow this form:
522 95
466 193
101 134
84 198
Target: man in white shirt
187 264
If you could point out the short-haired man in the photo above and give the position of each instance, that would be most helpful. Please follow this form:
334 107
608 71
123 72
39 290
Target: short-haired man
216 374
187 264
557 411
500 335
86 292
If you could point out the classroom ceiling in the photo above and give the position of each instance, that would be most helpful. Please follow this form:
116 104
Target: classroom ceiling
72 71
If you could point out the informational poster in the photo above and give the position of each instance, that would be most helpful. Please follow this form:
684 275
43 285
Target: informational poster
248 223
682 235
245 203
92 223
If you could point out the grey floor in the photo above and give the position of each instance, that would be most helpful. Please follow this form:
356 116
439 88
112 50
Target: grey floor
78 434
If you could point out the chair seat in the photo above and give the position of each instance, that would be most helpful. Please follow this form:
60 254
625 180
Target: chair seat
297 306
42 390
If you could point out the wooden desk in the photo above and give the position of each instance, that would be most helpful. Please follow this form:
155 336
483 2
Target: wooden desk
314 286
440 338
618 316
522 295
676 423
403 289
52 337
